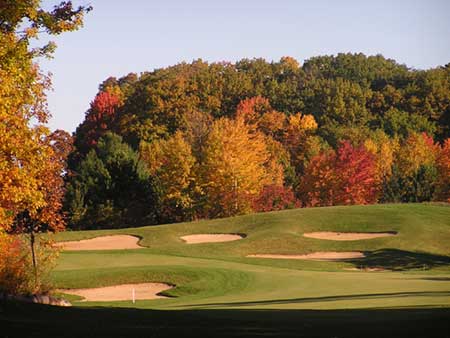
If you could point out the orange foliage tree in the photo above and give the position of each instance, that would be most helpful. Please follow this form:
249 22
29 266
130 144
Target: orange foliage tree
251 110
25 152
347 176
48 218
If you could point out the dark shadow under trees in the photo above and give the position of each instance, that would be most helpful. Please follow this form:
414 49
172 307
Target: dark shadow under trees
400 260
32 320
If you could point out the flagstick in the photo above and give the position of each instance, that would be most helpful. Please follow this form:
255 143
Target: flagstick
134 295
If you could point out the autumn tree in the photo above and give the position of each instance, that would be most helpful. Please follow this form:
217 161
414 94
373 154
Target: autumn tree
251 110
48 218
417 150
275 197
23 111
235 170
99 119
384 150
356 176
443 171
414 172
317 185
173 163
344 177
28 161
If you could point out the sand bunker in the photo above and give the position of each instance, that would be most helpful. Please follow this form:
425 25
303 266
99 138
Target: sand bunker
210 238
317 256
120 292
366 269
115 242
347 236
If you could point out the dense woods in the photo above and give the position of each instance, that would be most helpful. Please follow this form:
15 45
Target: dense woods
204 140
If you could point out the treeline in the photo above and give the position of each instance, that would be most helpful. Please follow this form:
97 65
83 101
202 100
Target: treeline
206 140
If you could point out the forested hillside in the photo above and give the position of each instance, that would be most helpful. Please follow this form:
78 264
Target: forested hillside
205 140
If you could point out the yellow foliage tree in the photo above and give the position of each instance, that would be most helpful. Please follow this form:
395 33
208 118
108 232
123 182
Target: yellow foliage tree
417 150
383 149
237 166
172 162
23 112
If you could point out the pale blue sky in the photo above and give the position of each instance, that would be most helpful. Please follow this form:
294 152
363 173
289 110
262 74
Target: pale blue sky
138 35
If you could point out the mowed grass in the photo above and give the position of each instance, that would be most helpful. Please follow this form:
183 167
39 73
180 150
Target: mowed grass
220 276
222 293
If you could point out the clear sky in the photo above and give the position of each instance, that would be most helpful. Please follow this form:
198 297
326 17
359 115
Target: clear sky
140 35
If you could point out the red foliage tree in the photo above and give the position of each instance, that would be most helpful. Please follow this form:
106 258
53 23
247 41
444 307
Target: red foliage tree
347 176
317 186
101 114
99 119
252 109
275 197
355 170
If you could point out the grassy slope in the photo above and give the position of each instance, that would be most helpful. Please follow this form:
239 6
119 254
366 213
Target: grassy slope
222 293
220 276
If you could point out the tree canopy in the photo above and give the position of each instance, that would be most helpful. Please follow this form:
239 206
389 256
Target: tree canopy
223 138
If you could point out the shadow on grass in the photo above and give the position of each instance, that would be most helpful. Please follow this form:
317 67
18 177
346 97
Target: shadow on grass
33 320
330 299
399 260
437 279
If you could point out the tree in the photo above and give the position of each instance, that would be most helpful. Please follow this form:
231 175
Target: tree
28 161
275 197
317 185
99 119
300 140
418 186
111 187
400 123
356 176
48 218
251 110
416 151
23 101
384 150
172 162
414 173
443 172
345 177
234 170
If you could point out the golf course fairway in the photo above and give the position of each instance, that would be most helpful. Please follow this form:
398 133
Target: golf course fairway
403 279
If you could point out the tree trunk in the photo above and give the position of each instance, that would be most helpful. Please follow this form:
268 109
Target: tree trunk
33 255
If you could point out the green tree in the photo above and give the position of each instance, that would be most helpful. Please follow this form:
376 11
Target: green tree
111 188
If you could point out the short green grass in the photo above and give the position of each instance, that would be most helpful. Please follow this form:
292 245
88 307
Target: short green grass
221 293
219 275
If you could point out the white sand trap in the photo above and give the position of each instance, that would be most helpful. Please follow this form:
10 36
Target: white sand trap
210 238
317 256
347 236
375 269
115 242
120 292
